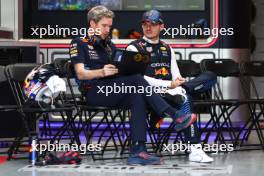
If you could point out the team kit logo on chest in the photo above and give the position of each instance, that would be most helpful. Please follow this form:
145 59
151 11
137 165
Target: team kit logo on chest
163 72
161 62
92 52
149 49
164 51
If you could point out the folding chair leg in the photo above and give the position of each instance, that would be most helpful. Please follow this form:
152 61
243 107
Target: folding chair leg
15 144
163 138
116 129
24 131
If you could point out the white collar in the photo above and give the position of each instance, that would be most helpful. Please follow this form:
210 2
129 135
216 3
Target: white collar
151 41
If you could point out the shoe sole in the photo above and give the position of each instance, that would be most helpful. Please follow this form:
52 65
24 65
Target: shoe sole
201 160
206 162
138 164
161 162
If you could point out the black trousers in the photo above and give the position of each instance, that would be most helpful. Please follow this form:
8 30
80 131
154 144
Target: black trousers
136 102
200 84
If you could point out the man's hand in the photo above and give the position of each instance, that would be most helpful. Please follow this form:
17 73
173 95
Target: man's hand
109 70
179 81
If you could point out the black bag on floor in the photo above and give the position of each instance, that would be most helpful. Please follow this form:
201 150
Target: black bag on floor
55 158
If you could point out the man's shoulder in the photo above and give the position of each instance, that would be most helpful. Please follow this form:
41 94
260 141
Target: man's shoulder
80 41
76 47
137 42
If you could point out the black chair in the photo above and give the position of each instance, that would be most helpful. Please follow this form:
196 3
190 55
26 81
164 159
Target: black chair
6 107
250 71
227 68
3 79
189 68
30 111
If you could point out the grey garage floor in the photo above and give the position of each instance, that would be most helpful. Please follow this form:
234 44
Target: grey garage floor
239 163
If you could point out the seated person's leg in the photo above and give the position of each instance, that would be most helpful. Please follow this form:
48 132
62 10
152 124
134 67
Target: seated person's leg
176 95
138 126
202 83
192 136
159 105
